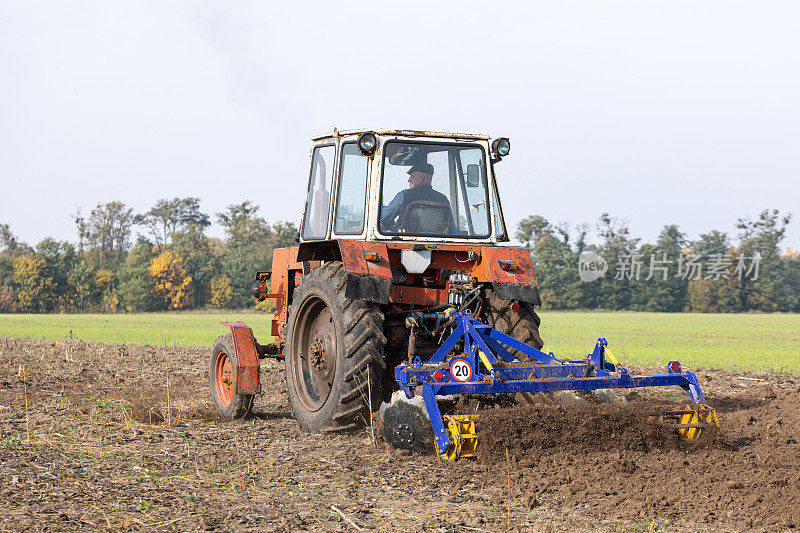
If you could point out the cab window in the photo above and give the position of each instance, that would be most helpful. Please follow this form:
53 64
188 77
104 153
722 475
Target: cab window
315 222
352 192
434 190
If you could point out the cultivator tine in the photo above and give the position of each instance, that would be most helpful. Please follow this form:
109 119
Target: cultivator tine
688 420
463 440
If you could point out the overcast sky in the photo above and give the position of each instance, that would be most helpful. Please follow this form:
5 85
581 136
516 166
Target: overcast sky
659 112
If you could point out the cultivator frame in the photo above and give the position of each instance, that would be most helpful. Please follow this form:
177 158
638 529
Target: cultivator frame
494 370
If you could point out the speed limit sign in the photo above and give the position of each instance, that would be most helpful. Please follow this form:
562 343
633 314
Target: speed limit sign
460 369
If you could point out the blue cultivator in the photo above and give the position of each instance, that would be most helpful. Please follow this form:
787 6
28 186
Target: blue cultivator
485 366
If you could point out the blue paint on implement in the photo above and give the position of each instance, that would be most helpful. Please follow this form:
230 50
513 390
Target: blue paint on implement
484 344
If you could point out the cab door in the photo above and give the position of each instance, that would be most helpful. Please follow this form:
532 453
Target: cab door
318 196
351 192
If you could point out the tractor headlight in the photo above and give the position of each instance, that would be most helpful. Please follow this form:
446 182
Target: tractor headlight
367 143
501 146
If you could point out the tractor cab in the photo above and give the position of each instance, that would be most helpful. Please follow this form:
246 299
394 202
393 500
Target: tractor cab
397 185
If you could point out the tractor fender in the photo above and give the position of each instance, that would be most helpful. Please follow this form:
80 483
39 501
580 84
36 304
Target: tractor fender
488 269
369 275
248 377
523 293
517 284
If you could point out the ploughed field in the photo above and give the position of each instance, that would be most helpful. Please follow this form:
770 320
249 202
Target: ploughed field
124 437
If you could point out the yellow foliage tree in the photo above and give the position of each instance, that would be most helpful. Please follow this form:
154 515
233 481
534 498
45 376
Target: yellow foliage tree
221 291
29 279
171 284
104 279
8 300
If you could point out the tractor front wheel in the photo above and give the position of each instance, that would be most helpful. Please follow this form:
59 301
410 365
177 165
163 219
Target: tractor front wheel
222 375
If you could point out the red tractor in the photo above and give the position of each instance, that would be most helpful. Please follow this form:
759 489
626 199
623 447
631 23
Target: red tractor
398 226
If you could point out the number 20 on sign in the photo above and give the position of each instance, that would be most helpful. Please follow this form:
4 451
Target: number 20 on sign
460 369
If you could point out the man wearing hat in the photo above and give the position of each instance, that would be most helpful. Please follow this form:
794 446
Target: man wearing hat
420 190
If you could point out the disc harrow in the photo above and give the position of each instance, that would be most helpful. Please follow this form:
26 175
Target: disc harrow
482 364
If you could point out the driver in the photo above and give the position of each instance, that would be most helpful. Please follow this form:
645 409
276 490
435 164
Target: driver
419 189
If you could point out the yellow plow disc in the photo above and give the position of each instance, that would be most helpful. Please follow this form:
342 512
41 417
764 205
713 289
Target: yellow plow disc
461 430
689 419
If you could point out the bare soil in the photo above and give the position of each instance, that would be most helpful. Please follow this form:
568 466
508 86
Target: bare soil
124 437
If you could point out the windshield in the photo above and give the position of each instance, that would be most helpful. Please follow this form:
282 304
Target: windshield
434 190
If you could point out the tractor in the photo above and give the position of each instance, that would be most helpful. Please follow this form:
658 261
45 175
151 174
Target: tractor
400 282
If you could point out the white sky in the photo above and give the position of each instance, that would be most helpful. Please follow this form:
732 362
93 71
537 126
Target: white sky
660 112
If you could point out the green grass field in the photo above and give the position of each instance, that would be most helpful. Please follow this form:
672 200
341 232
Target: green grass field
180 329
748 341
729 341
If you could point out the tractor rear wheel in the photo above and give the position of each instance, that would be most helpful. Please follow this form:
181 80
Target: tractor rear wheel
334 353
519 321
221 375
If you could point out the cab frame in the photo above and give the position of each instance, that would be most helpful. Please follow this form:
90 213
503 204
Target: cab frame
371 227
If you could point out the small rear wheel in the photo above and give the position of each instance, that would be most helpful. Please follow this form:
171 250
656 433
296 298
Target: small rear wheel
222 377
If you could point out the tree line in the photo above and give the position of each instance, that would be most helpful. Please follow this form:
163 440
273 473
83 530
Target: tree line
674 273
172 264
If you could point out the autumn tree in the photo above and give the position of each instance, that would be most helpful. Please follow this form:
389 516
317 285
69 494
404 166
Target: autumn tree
106 283
135 283
248 248
83 288
791 279
8 300
709 294
8 241
107 233
172 286
31 283
8 244
284 235
60 259
618 249
188 240
554 261
221 291
168 217
660 287
761 237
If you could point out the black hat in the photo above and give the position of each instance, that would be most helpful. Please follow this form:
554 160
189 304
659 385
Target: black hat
427 168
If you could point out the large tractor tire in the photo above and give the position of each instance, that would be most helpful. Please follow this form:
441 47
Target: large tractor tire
334 354
522 323
221 375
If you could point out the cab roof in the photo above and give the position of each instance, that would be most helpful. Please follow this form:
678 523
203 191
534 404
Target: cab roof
409 133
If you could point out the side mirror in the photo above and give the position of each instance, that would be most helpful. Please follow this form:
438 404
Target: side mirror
473 176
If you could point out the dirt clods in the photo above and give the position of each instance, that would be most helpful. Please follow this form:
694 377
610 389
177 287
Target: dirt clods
617 463
93 438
